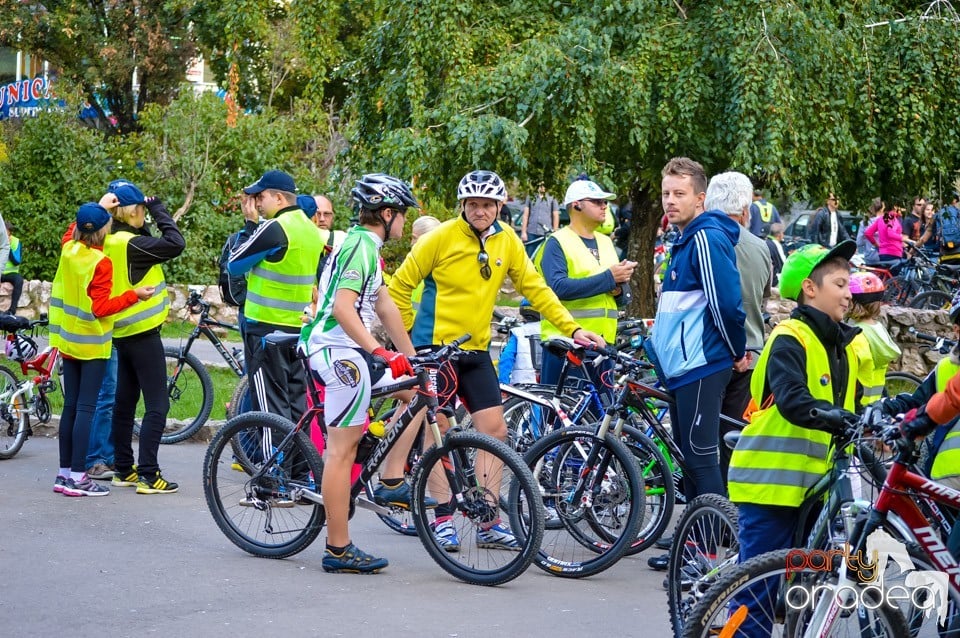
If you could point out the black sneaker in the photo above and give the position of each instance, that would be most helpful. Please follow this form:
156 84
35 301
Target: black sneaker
659 563
664 542
155 485
125 478
353 560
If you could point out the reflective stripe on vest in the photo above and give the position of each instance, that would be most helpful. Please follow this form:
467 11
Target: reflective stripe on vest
11 267
73 327
278 291
143 315
947 461
776 462
599 312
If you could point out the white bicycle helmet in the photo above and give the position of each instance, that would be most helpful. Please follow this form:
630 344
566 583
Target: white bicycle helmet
485 184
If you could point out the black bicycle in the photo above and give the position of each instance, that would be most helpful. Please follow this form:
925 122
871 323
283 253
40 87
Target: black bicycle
189 385
267 499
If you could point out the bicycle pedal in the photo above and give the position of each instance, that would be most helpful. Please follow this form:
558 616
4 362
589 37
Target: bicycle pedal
367 504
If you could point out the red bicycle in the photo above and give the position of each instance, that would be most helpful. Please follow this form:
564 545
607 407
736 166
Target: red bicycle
38 395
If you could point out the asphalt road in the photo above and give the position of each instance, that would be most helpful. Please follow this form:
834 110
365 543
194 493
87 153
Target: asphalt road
135 565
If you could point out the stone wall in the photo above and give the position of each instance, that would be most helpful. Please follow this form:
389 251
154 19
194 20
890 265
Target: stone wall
916 359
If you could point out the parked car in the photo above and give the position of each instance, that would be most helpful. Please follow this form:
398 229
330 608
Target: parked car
797 232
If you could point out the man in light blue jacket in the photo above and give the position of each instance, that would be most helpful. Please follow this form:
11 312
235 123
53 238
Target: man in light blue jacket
698 336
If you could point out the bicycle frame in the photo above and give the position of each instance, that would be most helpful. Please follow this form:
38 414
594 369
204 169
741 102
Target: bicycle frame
45 365
204 327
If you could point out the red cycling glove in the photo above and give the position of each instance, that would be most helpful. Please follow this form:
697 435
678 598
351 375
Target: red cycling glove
398 362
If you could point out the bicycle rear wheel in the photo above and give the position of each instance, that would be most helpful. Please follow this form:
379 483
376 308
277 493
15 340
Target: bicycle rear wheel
483 468
240 401
14 415
598 527
261 508
190 389
931 300
751 599
659 490
898 382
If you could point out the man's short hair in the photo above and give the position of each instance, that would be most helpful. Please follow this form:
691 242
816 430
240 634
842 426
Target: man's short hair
729 192
776 228
684 166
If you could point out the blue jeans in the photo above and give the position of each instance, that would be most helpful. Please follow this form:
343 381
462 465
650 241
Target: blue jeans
101 430
763 528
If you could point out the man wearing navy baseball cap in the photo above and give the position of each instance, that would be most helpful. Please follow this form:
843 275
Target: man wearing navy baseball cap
281 257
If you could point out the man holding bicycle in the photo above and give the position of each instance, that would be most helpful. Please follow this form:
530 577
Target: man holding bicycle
463 264
341 349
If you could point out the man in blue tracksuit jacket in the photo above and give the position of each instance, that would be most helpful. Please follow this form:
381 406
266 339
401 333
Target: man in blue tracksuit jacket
698 335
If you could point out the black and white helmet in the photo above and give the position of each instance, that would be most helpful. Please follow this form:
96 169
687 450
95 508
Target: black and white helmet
378 190
485 184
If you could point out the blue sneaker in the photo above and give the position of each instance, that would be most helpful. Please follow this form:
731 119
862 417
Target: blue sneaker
353 560
446 535
398 496
497 537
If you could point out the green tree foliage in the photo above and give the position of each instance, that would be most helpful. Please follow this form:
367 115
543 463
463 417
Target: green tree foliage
803 97
53 166
100 45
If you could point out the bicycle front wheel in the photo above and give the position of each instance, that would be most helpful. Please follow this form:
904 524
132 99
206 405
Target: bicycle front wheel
899 382
240 400
704 545
260 504
190 389
599 507
931 300
14 415
758 598
656 476
468 475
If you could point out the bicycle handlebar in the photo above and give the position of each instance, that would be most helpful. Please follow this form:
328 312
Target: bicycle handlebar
942 344
445 352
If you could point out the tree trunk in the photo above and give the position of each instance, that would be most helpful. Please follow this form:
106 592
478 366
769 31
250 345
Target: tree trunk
643 235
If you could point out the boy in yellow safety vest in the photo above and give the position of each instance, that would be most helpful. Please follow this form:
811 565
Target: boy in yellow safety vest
808 362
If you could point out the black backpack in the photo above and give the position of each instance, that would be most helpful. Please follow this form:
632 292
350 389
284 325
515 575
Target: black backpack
233 288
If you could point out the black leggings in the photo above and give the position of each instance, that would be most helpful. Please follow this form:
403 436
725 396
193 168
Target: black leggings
695 416
141 368
81 387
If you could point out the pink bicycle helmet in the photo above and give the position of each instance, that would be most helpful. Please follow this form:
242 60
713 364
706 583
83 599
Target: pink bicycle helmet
866 287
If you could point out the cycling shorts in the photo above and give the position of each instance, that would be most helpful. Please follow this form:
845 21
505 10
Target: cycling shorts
346 383
477 384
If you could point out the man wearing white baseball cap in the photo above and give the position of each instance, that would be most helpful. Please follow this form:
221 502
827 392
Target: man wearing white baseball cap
581 266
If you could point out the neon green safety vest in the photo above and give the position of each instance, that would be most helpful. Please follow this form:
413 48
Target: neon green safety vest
766 211
599 312
775 461
278 291
872 378
73 328
947 461
143 315
11 267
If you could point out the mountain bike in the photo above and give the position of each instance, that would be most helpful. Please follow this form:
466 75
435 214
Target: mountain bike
268 502
189 385
764 593
39 395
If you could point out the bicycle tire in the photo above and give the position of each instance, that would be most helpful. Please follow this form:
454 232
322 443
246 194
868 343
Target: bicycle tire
183 417
931 300
279 526
479 505
14 415
768 569
899 382
572 550
708 520
659 490
240 401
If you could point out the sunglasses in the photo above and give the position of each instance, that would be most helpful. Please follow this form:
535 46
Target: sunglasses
484 260
602 203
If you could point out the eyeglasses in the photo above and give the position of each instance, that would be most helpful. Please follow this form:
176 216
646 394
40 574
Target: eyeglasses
484 260
602 203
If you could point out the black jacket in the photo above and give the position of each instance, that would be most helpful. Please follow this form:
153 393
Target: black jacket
145 251
820 228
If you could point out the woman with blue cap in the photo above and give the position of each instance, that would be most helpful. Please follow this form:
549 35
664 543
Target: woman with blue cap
82 313
141 365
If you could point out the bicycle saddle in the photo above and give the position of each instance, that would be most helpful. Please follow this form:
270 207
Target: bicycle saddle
560 346
730 439
12 323
278 338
